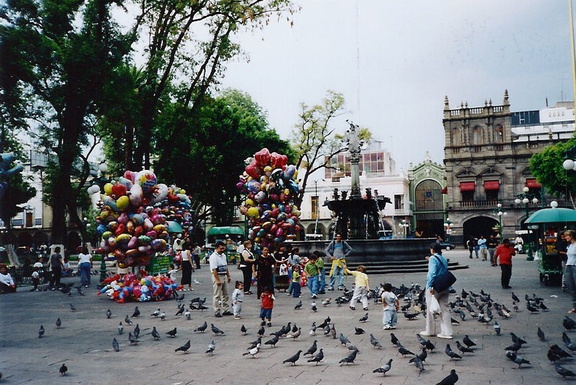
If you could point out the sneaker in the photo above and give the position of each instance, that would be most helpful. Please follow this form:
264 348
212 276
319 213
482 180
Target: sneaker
387 327
352 308
227 312
393 327
218 315
53 289
263 323
365 309
314 296
445 336
269 324
330 288
237 317
425 334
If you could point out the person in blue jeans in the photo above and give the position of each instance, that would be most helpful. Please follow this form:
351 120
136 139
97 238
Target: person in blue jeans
321 273
311 270
337 250
85 266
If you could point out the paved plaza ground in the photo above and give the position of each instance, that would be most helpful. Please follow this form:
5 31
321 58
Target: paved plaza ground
84 341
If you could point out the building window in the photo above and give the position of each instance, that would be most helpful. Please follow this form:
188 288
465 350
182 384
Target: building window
315 207
428 195
398 202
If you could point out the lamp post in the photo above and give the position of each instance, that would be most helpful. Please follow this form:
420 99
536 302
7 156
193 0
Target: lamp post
526 197
499 211
448 227
405 226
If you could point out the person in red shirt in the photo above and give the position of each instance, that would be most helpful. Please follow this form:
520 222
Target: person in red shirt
267 305
503 255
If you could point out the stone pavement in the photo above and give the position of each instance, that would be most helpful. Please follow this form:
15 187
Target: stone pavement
84 342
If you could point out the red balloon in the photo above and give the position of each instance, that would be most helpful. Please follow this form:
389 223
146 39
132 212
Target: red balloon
118 190
262 157
253 170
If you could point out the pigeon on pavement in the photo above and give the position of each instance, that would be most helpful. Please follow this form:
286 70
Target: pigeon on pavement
155 333
211 348
172 333
253 351
115 345
350 358
450 379
364 318
468 342
58 323
133 340
563 371
216 330
375 342
272 341
72 307
137 331
318 357
517 359
451 354
136 312
41 331
312 349
63 369
120 328
292 360
202 327
184 348
108 313
384 368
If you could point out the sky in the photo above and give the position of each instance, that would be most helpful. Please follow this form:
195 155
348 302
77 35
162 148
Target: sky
395 61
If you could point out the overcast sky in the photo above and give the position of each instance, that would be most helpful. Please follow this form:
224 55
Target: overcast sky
394 61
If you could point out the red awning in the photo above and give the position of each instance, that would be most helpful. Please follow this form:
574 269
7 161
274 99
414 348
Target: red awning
491 185
444 190
532 183
467 186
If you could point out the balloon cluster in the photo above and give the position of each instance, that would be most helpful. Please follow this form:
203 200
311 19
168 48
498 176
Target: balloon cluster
132 220
270 186
132 288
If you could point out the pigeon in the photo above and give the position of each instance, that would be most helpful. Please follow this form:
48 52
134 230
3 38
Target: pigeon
497 328
350 358
72 307
463 349
422 356
184 348
120 328
451 354
393 339
79 290
563 371
294 328
201 328
188 315
514 347
343 339
419 364
318 357
313 306
312 349
108 313
404 352
364 318
261 331
63 369
253 344
155 313
162 316
58 323
211 348
569 323
115 345
295 334
333 331
180 310
253 351
41 331
216 331
540 334
313 329
326 302
517 339
136 312
468 342
272 341
325 323
384 368
375 342
243 330
127 320
172 333
293 359
133 340
155 333
137 331
298 305
517 359
421 340
411 316
568 342
557 350
450 379
515 298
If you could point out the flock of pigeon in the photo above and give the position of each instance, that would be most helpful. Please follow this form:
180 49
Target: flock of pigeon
467 306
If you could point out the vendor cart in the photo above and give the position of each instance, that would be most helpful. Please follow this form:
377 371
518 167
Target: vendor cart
551 222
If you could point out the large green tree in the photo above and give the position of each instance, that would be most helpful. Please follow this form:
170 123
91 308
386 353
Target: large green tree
547 167
214 141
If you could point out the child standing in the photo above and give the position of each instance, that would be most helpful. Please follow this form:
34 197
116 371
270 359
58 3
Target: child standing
36 278
172 272
268 298
361 287
295 284
237 299
391 306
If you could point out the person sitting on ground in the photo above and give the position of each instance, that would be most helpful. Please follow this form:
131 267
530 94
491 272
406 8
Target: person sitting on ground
7 284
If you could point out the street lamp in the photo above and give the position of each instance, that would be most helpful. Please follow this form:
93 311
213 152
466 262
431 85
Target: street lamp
448 227
526 197
405 225
499 211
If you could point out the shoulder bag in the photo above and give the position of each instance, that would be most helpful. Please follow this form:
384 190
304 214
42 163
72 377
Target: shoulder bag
443 281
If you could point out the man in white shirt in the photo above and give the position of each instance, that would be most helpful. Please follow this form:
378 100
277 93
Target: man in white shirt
220 280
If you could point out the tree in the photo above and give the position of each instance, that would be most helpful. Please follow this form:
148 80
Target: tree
62 53
214 142
315 140
547 167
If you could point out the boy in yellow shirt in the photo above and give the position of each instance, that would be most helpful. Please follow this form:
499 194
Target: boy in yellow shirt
361 287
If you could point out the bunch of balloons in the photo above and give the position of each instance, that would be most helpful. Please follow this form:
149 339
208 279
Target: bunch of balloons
131 222
132 288
270 186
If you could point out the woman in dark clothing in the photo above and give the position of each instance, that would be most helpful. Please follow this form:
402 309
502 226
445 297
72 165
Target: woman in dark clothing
247 266
265 267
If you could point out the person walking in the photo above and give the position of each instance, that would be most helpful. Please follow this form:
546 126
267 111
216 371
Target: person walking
246 265
503 255
265 267
492 244
437 265
85 266
311 270
390 305
321 273
196 251
361 287
220 280
483 247
267 306
56 264
337 251
570 272
187 268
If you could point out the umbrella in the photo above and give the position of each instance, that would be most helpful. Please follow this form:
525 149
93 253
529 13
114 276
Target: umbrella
174 227
553 215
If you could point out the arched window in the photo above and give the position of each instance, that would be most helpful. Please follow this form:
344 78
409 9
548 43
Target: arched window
498 134
456 137
476 135
428 195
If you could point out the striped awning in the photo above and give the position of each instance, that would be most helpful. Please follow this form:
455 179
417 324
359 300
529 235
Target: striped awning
467 186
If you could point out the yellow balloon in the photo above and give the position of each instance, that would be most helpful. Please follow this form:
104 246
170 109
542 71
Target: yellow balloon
253 212
108 188
122 202
249 202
